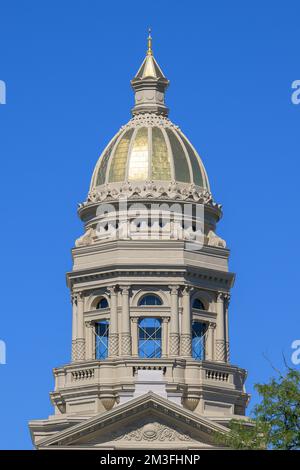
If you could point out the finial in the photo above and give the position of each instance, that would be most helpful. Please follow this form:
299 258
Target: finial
149 51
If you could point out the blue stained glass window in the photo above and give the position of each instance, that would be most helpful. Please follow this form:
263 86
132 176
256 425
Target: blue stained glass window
102 303
150 299
198 340
198 304
150 338
101 329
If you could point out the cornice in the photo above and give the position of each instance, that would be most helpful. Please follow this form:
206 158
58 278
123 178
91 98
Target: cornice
109 245
117 274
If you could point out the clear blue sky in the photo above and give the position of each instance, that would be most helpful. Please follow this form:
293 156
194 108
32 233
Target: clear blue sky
67 67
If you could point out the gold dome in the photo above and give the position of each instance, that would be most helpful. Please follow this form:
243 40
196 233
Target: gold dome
150 148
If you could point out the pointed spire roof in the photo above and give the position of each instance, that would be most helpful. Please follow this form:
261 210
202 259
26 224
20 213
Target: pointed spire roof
150 67
149 85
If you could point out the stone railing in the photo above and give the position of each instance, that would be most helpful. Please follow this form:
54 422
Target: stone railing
216 375
108 372
83 374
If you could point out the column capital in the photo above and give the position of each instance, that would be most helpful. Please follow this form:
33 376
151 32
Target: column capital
89 323
112 290
77 297
125 289
135 319
221 296
212 325
186 290
80 296
174 289
165 319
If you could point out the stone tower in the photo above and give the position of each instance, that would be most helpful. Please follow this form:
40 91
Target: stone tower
150 290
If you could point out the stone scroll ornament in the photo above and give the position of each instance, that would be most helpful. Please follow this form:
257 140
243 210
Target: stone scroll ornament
153 432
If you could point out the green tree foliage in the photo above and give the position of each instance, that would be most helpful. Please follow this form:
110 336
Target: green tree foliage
276 419
245 434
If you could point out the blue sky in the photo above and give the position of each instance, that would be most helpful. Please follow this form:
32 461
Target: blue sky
67 67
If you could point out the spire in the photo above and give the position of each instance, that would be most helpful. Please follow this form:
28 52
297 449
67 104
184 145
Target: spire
149 85
149 51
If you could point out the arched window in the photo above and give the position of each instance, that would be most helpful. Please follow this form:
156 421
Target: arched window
150 338
150 299
101 330
102 303
198 304
198 340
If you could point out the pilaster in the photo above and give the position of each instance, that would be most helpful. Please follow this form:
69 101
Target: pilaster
209 344
220 330
90 340
80 341
226 307
165 325
174 322
134 336
125 324
74 326
113 336
186 325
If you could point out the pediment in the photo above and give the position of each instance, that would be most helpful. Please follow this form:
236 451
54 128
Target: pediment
149 421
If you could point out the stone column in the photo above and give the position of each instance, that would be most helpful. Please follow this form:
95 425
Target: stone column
125 324
220 331
74 326
113 336
80 343
174 322
226 306
164 346
209 346
135 336
186 324
89 340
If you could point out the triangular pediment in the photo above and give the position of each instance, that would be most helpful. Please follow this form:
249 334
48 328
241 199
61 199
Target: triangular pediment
149 421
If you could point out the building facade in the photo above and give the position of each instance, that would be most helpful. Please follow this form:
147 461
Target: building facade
150 291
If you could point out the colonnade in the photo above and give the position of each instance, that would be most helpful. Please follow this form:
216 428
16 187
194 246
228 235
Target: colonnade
176 331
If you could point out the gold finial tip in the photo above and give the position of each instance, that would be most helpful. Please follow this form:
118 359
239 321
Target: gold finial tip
149 52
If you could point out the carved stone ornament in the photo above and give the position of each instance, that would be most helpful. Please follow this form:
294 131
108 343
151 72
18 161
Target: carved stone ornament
149 119
186 192
190 402
215 240
86 238
223 297
153 432
108 402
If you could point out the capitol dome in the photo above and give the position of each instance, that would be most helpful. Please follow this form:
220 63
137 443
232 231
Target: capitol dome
149 147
